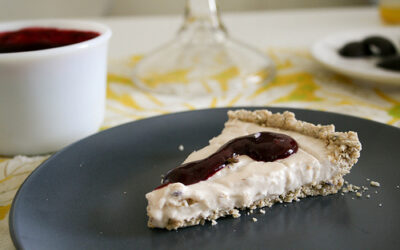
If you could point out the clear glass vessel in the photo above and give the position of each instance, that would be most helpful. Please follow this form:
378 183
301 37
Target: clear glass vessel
202 58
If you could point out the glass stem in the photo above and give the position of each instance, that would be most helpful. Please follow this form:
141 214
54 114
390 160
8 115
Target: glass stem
204 12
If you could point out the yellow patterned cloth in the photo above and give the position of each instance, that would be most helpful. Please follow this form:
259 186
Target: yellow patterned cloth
300 82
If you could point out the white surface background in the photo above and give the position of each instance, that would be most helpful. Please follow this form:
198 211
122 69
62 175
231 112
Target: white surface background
295 28
27 9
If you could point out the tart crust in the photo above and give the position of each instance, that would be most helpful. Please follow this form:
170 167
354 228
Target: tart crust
343 150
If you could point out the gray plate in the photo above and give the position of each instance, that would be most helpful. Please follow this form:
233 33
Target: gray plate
91 195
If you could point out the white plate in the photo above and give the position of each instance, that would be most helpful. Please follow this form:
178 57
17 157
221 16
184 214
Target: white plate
325 51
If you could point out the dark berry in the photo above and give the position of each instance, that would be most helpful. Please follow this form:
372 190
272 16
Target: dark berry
391 63
354 49
380 46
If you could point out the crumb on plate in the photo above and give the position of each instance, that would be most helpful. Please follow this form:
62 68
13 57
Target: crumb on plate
375 184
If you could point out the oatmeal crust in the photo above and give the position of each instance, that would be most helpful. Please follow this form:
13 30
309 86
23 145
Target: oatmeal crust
343 147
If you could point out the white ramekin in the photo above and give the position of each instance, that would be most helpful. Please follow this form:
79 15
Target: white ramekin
53 97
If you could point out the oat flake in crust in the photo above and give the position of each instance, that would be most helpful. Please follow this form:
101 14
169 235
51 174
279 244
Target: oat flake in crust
177 205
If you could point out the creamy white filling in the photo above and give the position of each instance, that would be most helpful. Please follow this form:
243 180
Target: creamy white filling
241 183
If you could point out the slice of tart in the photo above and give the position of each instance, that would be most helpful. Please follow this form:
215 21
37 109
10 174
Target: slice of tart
260 158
